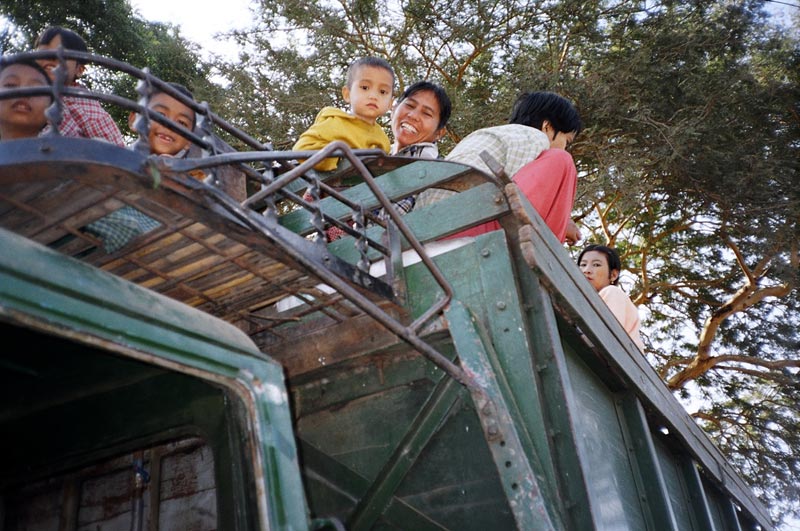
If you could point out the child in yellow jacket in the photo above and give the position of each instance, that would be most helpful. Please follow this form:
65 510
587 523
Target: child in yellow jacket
370 83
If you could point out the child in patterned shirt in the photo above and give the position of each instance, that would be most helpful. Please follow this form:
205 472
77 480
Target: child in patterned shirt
83 117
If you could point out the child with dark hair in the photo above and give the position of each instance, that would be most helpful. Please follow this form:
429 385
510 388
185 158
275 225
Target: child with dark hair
370 83
83 117
601 266
163 140
368 90
22 116
531 148
116 229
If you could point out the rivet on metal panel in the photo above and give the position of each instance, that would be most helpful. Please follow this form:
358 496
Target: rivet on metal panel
501 305
485 253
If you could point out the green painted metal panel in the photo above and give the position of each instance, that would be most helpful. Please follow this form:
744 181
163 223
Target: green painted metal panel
375 439
514 340
53 295
698 502
557 402
511 340
373 426
455 480
522 483
398 183
431 416
676 487
476 205
603 451
312 393
723 512
335 489
656 507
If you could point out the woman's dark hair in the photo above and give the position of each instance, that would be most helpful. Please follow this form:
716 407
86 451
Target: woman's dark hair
533 108
445 107
611 256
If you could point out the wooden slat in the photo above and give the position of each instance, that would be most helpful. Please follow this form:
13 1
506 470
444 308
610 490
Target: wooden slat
200 255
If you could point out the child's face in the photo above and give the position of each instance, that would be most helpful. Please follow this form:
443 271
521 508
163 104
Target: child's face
22 117
594 266
163 140
558 139
562 140
370 94
74 70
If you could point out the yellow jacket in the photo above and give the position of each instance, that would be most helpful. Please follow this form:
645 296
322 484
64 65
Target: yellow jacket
334 124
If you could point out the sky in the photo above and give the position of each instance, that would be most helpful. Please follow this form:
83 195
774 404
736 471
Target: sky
200 20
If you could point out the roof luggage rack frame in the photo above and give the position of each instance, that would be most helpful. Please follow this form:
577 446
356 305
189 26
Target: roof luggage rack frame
159 181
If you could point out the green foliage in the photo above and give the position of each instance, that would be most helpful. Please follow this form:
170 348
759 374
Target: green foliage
110 28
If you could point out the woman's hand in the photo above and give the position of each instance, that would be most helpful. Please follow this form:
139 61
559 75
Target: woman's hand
573 235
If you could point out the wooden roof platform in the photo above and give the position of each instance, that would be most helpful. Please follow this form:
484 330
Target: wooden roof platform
209 251
257 260
206 252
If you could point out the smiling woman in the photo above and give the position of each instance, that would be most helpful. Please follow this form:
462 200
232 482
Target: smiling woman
419 120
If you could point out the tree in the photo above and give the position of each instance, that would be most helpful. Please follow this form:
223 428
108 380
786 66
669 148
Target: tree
110 28
689 165
708 217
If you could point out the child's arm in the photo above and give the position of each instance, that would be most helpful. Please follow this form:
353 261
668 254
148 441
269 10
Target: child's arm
329 125
317 137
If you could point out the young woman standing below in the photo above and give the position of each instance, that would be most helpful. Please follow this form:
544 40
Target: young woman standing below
601 267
